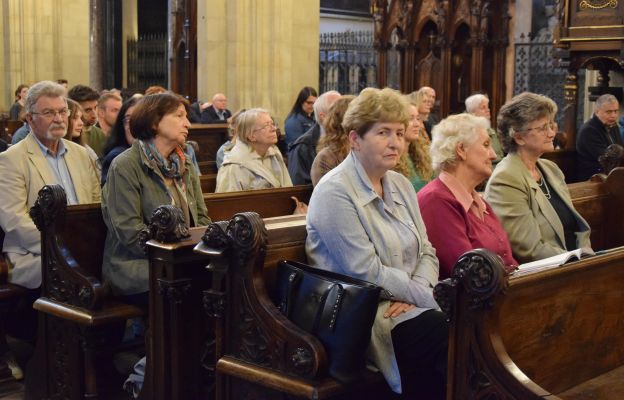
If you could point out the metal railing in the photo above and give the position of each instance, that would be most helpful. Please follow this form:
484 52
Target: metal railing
536 71
347 62
147 61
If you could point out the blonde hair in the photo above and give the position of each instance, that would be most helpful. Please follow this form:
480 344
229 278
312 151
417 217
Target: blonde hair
336 138
372 106
449 133
246 123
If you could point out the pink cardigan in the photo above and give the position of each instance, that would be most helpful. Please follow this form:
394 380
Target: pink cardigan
453 231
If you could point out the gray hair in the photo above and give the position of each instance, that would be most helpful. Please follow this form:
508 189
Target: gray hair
321 105
246 122
449 133
519 112
473 102
605 99
43 88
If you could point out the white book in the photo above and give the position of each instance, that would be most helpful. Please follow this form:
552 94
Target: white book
557 260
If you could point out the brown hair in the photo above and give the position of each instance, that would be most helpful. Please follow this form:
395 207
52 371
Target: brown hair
155 90
150 110
372 106
336 138
74 108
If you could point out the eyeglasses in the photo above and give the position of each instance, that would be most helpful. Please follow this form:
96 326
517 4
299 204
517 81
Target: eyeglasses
549 126
51 114
269 126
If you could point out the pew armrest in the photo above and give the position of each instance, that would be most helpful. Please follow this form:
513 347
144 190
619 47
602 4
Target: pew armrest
110 312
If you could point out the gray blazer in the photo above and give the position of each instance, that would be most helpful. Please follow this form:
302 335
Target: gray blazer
352 231
534 228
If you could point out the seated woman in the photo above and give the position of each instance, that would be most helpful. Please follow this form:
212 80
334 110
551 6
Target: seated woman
151 173
529 194
334 145
364 221
415 162
301 116
75 129
456 217
229 144
254 162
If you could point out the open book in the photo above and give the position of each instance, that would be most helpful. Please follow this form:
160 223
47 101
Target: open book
559 259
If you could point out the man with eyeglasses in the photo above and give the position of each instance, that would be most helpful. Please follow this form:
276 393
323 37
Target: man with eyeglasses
596 135
42 158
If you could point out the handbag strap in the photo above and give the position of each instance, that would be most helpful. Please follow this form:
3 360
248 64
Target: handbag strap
330 309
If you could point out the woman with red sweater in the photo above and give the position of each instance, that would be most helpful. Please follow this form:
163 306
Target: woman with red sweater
456 217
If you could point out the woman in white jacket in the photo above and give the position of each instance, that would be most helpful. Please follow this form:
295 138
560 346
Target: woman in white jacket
255 161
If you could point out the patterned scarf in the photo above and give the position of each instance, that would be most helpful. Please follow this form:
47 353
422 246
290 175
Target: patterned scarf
171 167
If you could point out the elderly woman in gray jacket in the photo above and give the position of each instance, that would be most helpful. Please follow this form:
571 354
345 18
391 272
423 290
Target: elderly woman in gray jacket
364 221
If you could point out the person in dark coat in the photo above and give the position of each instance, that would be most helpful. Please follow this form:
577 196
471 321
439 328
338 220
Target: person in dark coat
596 135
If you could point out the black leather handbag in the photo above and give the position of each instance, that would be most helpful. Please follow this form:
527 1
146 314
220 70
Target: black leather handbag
338 309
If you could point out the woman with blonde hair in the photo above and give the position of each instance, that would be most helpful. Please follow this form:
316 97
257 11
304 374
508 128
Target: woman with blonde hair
364 221
334 146
254 162
415 162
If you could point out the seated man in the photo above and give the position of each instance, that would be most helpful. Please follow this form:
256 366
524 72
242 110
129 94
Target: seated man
479 105
217 113
596 135
88 98
108 107
42 158
303 150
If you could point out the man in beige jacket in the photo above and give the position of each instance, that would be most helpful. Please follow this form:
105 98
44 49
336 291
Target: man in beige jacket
42 158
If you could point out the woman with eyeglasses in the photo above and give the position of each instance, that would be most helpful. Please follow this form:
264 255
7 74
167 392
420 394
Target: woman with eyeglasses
254 162
529 194
120 138
301 116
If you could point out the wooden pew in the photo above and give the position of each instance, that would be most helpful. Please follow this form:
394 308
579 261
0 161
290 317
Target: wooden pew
208 182
554 334
74 241
266 202
209 137
260 353
565 160
9 296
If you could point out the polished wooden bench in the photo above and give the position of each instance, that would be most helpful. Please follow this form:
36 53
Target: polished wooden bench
9 297
554 334
208 182
209 138
260 353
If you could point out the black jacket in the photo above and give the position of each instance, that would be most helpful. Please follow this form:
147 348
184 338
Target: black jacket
209 116
591 142
301 156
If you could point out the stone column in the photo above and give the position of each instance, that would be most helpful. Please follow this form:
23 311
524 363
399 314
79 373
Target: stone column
97 20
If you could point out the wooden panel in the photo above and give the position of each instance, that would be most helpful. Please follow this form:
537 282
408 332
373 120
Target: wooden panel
209 137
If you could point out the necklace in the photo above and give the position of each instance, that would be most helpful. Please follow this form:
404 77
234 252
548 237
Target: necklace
544 187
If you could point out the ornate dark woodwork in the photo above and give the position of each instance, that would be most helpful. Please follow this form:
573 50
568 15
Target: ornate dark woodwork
167 225
77 318
590 35
183 47
528 335
455 47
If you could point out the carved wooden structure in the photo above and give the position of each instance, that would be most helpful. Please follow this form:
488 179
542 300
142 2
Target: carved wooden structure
261 353
182 48
553 334
590 36
456 47
77 317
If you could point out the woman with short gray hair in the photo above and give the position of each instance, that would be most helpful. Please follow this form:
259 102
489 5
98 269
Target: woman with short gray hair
456 217
528 193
